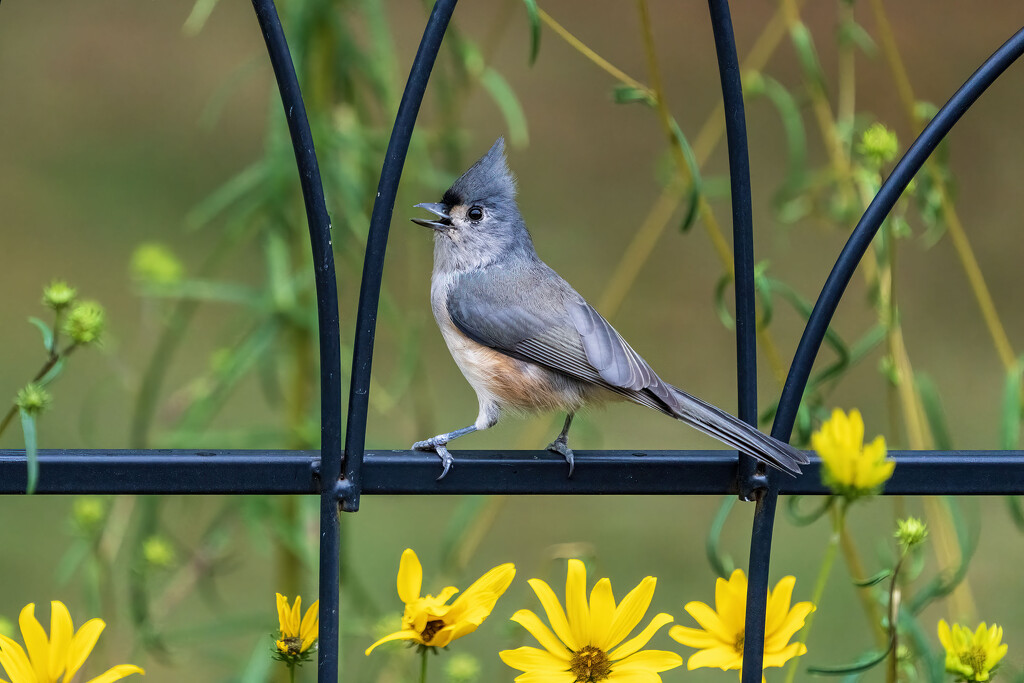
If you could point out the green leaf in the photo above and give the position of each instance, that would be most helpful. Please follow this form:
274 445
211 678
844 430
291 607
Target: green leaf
864 663
46 331
627 94
933 411
796 150
803 43
872 580
53 372
28 429
503 95
533 14
852 32
1009 432
800 518
721 563
201 11
693 200
967 536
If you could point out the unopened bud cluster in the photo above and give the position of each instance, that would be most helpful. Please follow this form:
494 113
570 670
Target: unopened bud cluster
33 399
85 322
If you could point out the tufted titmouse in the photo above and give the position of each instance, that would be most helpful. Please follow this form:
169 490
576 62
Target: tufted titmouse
527 341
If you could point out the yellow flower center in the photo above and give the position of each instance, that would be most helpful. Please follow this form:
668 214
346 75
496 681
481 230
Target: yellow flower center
590 664
431 629
974 658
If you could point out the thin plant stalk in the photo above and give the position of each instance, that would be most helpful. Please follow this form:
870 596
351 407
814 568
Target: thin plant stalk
423 665
827 561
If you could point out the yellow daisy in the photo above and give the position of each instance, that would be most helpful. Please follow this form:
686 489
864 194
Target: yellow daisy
720 638
972 657
429 620
296 636
583 643
849 467
59 656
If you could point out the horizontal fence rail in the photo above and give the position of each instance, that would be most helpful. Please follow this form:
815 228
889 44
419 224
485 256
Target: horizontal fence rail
498 472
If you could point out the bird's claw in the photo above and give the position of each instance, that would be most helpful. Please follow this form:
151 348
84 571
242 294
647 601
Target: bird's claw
439 447
562 447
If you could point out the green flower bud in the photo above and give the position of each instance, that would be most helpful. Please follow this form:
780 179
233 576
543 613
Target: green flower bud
33 399
462 668
85 322
911 532
878 145
158 552
156 264
58 295
88 512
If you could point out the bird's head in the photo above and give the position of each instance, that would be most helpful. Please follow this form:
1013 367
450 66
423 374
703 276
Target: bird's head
477 220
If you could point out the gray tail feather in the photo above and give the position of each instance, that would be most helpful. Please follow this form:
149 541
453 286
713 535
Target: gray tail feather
729 430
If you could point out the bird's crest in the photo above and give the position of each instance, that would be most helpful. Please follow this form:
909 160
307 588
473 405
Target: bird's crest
487 180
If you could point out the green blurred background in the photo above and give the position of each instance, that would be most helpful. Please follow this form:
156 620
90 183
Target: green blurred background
117 123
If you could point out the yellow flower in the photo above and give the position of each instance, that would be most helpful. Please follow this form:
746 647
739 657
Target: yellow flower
62 653
428 620
850 468
580 647
720 638
972 657
296 636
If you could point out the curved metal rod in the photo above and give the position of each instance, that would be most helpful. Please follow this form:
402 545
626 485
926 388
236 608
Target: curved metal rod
742 234
376 244
329 331
869 224
752 480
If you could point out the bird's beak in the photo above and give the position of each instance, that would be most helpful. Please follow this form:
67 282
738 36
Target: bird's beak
442 224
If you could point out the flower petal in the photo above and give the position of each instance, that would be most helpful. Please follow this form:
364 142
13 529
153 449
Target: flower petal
636 676
731 601
723 657
410 577
794 621
630 611
533 659
311 622
82 644
576 601
638 641
35 641
532 623
282 614
118 672
404 634
780 657
553 610
61 631
295 617
15 661
476 603
778 603
694 637
602 614
709 621
546 677
649 660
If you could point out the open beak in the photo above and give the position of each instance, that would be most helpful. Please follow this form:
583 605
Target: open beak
442 223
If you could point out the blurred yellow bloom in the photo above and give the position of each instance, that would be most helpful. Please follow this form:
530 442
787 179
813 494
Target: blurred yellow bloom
297 636
972 657
61 654
428 620
580 646
849 467
720 638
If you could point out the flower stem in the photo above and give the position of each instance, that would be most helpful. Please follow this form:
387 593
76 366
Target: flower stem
423 665
827 561
291 672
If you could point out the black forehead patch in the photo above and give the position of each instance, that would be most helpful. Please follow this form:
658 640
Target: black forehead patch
451 198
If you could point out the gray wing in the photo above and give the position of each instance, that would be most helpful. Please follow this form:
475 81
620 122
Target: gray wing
534 315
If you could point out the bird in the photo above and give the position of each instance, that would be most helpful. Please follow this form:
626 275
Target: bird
526 341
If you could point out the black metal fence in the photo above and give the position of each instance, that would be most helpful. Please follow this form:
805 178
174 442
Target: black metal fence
341 475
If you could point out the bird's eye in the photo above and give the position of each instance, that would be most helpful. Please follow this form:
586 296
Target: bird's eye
475 213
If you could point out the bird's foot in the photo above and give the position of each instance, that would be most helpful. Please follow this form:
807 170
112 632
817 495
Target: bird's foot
441 448
561 446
